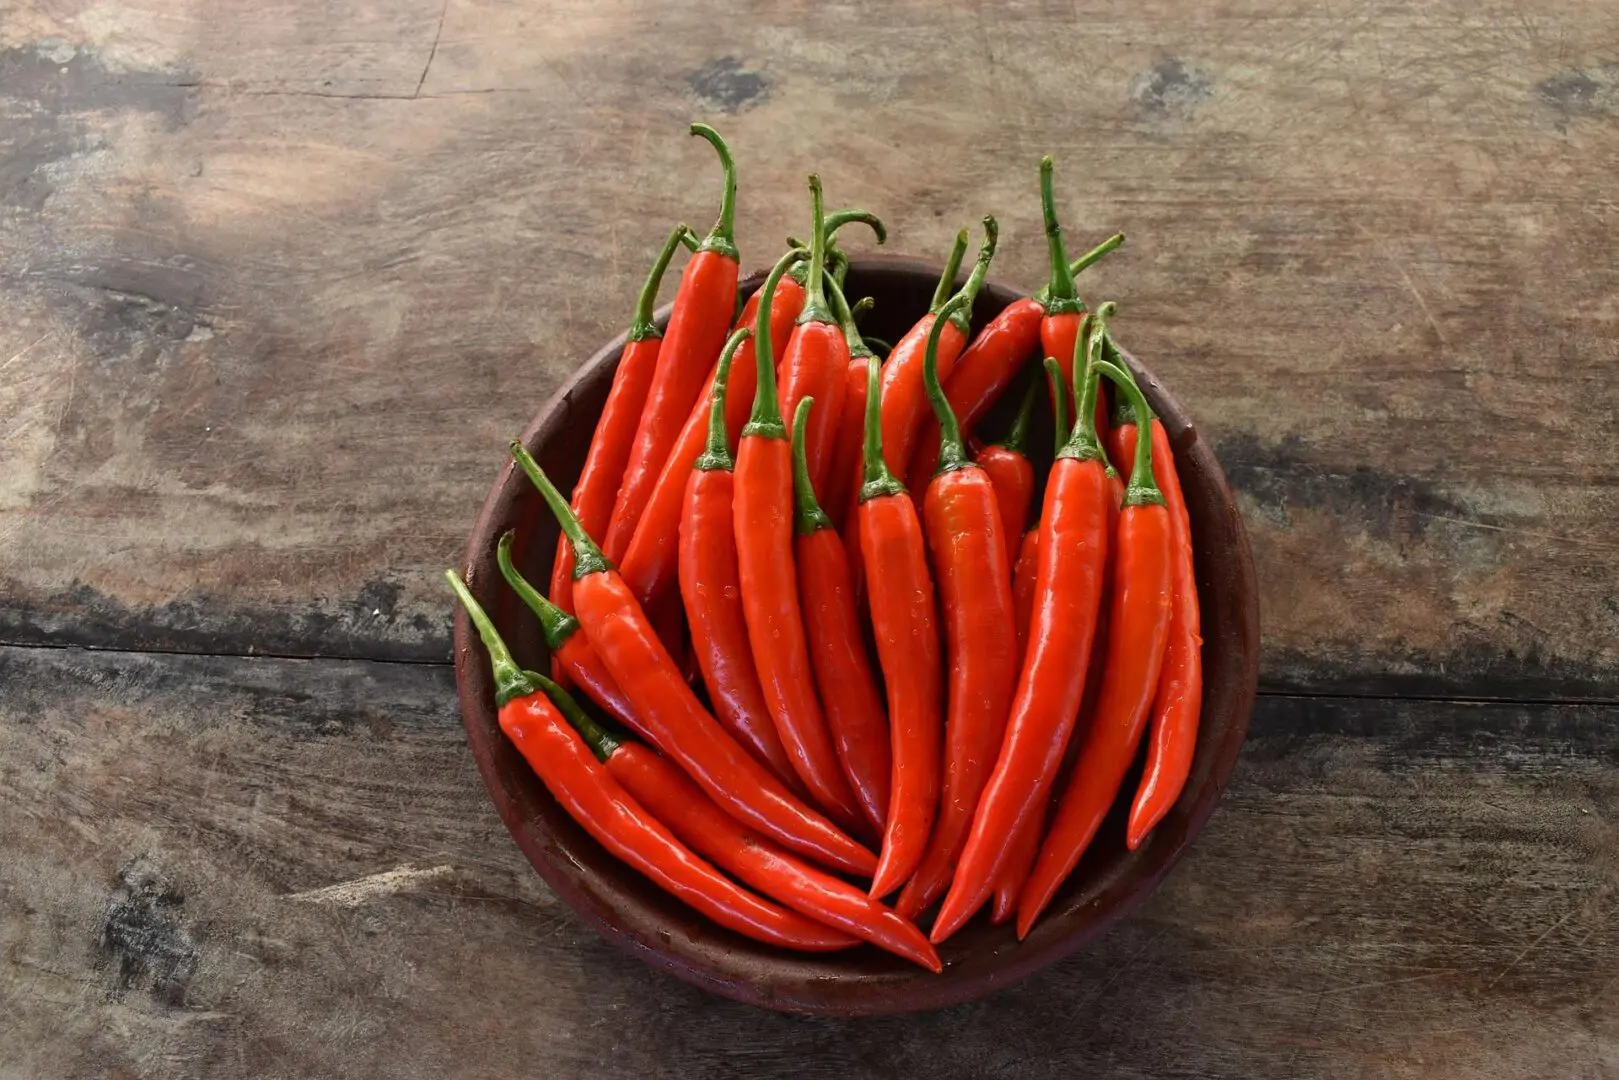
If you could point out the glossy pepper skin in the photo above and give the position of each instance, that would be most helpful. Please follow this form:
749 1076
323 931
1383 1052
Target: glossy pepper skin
764 538
991 362
904 401
844 474
753 859
568 647
698 323
1011 473
849 692
650 563
1064 321
1138 631
710 588
962 522
1178 702
1068 589
816 363
676 720
609 452
578 781
900 593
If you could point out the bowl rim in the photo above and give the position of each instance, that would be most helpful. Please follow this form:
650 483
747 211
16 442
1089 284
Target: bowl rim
728 965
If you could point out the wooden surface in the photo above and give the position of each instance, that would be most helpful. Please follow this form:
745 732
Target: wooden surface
277 282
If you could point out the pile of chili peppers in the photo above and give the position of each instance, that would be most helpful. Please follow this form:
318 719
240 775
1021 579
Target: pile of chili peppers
834 654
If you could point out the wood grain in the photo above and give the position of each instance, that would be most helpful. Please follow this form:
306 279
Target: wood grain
276 285
222 866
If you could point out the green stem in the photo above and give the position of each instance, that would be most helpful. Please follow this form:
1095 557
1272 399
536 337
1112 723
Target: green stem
721 238
846 319
815 307
602 742
510 680
875 343
1043 297
766 419
975 280
1089 345
808 516
1123 413
952 267
1059 403
557 625
642 327
879 479
1017 439
952 452
837 264
1143 488
587 557
1061 294
717 453
839 219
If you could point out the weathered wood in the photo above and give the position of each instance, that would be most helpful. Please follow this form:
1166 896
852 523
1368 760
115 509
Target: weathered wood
221 866
276 284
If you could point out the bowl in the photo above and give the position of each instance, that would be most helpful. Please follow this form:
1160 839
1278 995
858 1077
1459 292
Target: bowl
634 914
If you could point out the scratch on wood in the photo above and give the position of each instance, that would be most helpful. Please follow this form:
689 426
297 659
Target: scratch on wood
1531 947
356 892
1410 285
432 52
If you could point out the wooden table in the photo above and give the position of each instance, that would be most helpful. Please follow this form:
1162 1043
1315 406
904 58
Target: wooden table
278 281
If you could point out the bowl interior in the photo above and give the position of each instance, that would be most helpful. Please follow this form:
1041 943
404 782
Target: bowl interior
641 918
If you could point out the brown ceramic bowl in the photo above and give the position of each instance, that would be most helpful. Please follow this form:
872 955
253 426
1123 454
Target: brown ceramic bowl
646 922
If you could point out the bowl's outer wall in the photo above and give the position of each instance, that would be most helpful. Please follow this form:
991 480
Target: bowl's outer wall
641 918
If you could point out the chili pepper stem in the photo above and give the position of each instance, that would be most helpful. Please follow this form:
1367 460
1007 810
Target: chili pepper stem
642 327
555 624
952 267
846 315
511 681
587 557
1017 438
975 281
952 451
1143 488
1062 295
808 516
1082 263
1059 403
721 238
815 306
1084 444
717 453
879 478
602 742
766 419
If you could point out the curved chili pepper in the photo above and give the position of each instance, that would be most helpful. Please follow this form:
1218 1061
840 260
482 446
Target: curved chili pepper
711 588
843 473
1065 311
1026 568
609 452
1139 630
753 859
817 358
764 541
680 726
991 362
1068 590
900 593
568 647
962 523
849 694
905 404
1179 699
1012 474
578 781
702 311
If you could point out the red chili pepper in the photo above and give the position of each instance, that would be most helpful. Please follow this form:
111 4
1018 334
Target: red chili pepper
849 693
962 522
650 563
578 781
904 403
991 362
676 720
900 593
817 359
609 452
711 589
1179 699
1065 311
568 647
751 858
1023 582
1012 475
702 311
842 477
1068 589
1138 632
764 540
